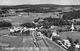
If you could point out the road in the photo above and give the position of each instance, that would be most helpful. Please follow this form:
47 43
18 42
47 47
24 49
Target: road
54 46
43 44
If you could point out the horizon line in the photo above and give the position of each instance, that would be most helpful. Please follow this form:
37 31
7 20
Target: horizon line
42 4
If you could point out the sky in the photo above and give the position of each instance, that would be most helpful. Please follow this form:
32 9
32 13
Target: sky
19 2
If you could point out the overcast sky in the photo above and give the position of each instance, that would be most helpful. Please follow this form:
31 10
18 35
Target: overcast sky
18 2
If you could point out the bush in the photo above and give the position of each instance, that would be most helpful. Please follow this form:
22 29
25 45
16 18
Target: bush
79 30
29 25
26 33
5 24
76 41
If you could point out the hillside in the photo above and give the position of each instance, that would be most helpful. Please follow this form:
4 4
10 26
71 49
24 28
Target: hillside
38 5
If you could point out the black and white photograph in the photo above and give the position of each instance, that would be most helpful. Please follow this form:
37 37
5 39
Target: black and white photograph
39 25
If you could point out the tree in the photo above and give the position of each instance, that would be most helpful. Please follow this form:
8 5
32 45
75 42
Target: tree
76 41
29 25
5 24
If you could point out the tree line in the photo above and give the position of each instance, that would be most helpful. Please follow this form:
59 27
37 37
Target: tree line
71 15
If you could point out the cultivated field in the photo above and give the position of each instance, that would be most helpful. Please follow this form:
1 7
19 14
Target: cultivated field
12 41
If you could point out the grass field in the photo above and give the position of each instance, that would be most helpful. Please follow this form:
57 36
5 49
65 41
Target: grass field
13 41
15 20
4 32
73 35
17 42
27 42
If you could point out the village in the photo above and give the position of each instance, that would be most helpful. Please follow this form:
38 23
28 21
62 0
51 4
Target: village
42 32
39 28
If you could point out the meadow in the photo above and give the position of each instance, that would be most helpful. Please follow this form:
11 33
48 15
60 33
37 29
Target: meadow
12 41
16 20
73 35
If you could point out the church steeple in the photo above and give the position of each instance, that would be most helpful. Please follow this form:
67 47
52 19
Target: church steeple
72 27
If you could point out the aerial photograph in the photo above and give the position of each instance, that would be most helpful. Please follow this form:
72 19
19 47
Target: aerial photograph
39 25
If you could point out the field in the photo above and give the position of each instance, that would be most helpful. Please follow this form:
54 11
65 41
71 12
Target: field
16 20
17 42
73 35
4 32
27 42
13 41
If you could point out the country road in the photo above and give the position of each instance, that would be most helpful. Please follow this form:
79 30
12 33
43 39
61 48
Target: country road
44 44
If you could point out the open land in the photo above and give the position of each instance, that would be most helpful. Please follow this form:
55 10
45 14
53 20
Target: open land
73 35
18 41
